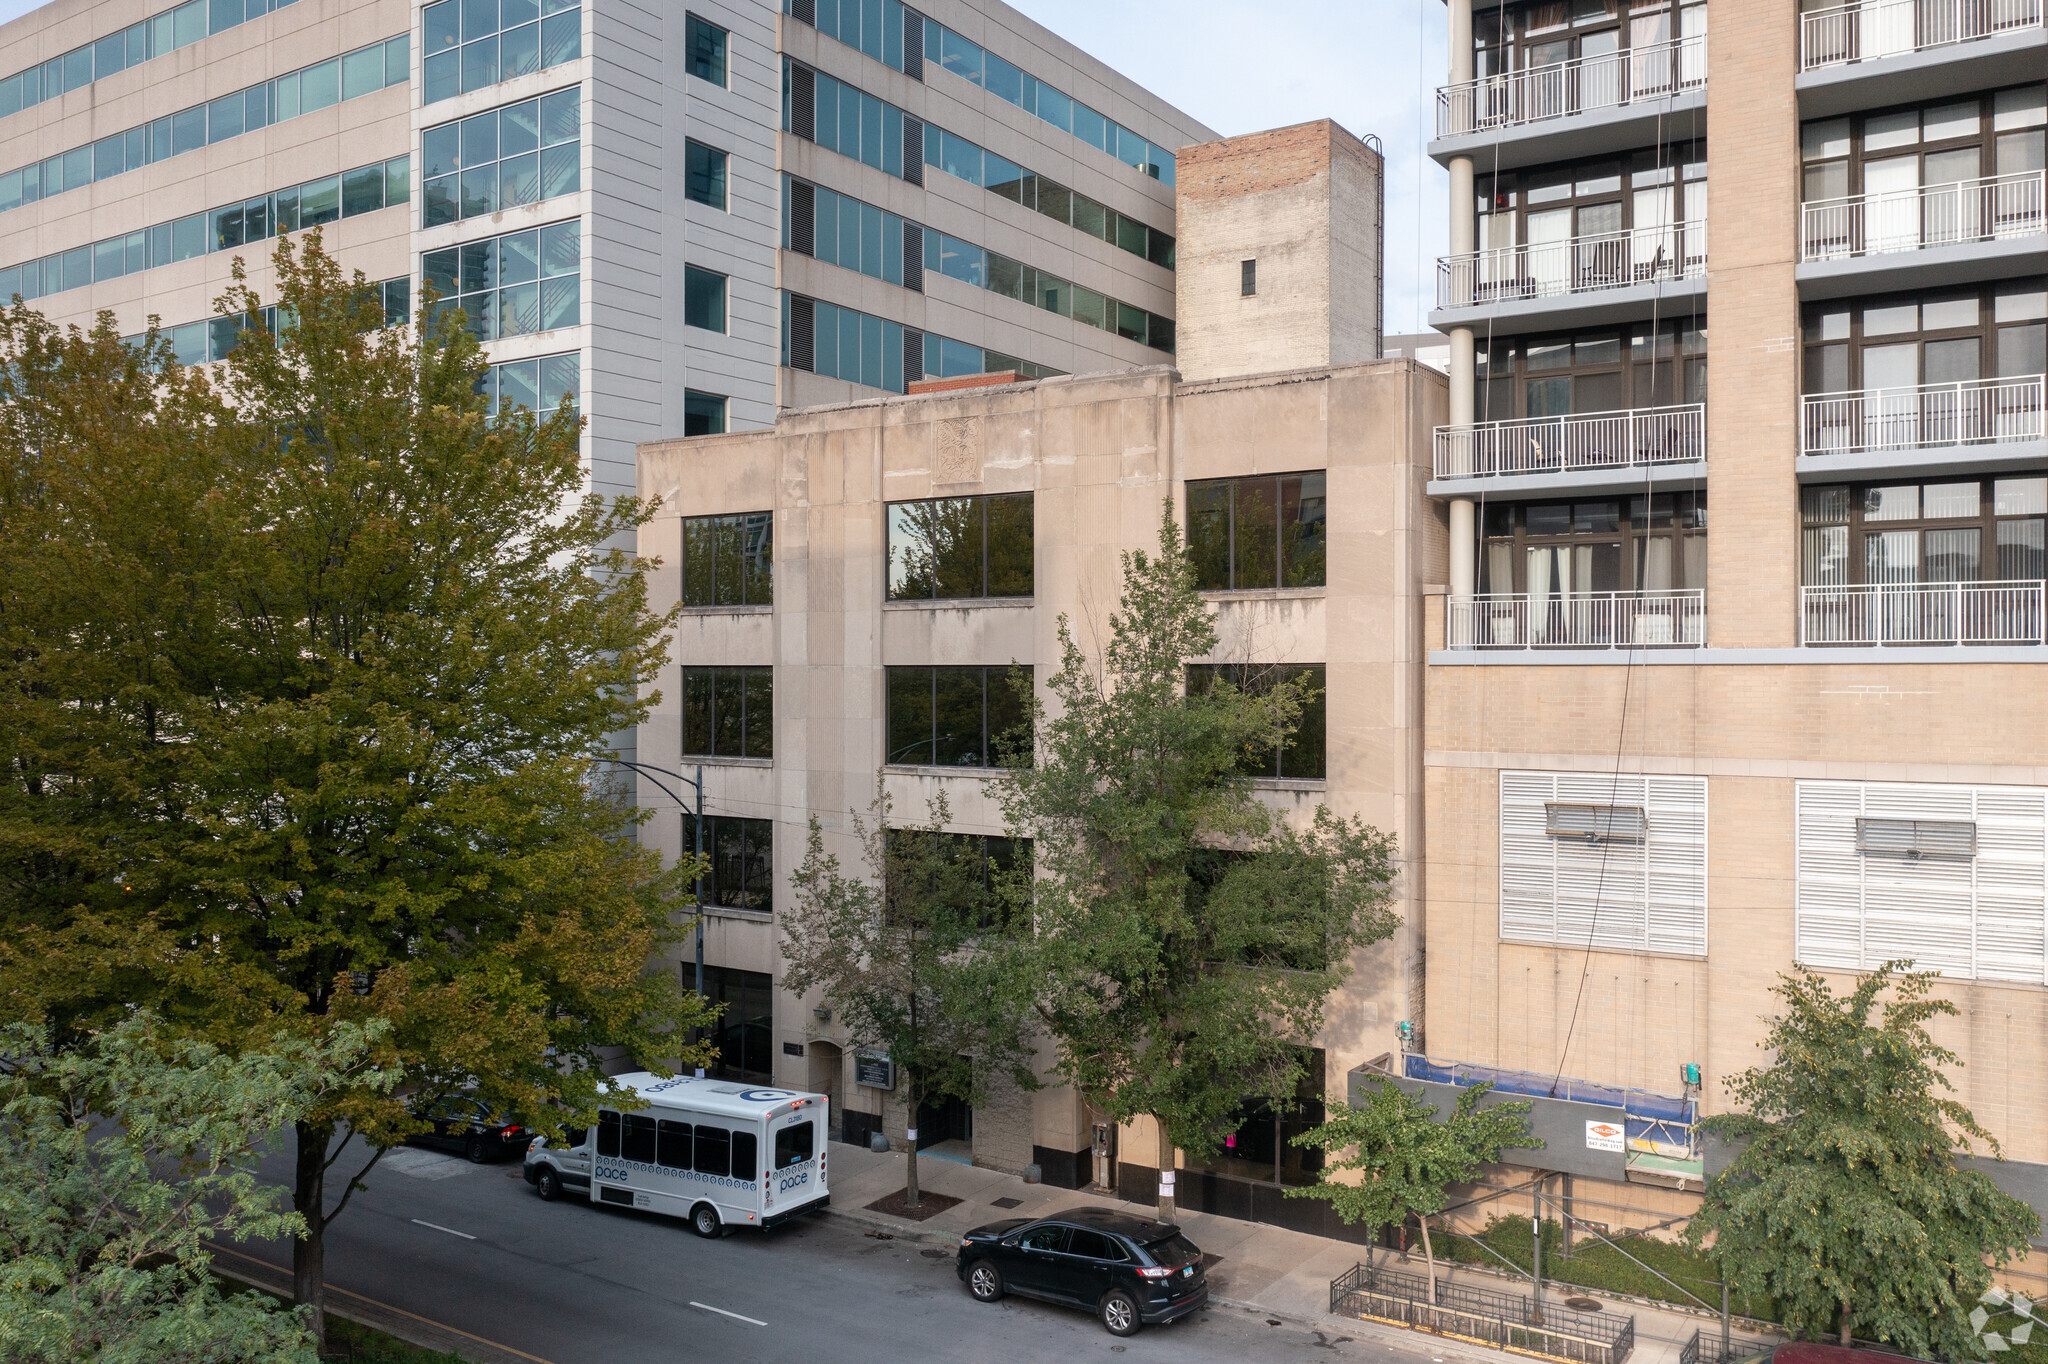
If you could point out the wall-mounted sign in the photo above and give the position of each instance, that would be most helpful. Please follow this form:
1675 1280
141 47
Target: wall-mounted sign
1604 1136
874 1070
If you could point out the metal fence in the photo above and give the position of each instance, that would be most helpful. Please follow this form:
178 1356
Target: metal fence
1586 620
1707 1349
1864 30
1922 613
1968 412
1506 1321
1989 208
1600 260
1584 85
1582 441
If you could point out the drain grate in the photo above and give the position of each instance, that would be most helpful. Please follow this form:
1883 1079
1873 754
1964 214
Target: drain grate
1007 1203
1583 1304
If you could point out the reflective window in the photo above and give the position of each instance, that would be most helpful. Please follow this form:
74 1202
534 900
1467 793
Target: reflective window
199 343
703 174
510 285
607 1133
714 1150
1954 530
860 348
152 37
703 298
955 717
729 560
1246 533
704 44
795 1144
1300 753
728 712
1554 550
502 158
540 385
637 1137
977 546
703 414
741 852
472 44
672 1144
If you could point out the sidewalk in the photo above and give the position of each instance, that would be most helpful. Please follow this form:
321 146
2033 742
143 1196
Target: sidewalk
1260 1267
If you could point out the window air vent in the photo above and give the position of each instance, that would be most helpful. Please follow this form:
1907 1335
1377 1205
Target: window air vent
804 11
913 149
913 257
803 218
1595 823
803 102
1914 839
802 318
913 44
913 355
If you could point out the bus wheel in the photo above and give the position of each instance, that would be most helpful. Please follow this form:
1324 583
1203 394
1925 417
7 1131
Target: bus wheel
704 1221
548 1185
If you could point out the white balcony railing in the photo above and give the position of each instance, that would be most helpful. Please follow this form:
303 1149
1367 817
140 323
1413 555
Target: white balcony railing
1972 412
1988 209
1607 81
1922 613
1865 30
1605 260
1588 620
1583 441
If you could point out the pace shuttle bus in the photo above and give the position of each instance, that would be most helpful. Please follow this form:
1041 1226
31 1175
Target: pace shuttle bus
720 1153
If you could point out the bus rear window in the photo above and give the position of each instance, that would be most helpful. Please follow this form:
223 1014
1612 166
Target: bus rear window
793 1144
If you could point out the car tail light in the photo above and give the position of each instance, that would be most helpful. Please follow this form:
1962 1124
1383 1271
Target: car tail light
1154 1272
512 1131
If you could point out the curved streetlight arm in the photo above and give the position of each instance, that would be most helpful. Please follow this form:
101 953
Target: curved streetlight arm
696 783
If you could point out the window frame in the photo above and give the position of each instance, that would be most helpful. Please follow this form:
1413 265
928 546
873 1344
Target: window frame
1519 540
904 676
987 557
756 840
1503 378
1817 318
695 279
1201 488
723 160
756 532
1273 762
1859 526
695 29
718 680
695 404
1858 156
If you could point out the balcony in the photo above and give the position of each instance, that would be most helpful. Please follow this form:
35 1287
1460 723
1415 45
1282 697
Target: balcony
1922 614
1584 107
1606 276
1974 426
1915 49
1586 452
1585 620
1952 233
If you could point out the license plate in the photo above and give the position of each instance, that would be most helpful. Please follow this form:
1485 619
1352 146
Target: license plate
1187 1272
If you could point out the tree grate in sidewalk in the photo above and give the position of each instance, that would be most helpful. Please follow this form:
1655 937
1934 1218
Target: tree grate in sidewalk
929 1205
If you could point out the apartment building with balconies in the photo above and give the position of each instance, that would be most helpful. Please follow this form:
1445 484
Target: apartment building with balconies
1739 663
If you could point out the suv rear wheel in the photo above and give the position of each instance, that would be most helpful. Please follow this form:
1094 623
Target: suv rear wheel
1119 1314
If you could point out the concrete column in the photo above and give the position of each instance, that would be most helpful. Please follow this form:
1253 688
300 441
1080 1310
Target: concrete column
1463 231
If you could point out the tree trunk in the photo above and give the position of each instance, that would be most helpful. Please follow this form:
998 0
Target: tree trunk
1848 1333
1166 1159
1428 1258
309 1200
911 1197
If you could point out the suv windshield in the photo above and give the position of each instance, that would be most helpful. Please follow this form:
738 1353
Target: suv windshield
1174 1251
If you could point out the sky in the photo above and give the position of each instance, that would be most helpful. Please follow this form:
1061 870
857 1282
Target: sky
1240 66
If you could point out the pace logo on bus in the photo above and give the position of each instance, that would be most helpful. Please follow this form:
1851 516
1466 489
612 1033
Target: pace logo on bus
796 1180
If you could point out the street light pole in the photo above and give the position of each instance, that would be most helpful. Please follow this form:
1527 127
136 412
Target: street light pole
697 784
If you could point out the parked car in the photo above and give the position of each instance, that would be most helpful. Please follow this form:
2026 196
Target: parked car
466 1125
1129 1271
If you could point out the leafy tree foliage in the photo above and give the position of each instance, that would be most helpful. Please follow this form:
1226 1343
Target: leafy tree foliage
121 1160
1174 983
894 952
1846 1205
1406 1160
307 671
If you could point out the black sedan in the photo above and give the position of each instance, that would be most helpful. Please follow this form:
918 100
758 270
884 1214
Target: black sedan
1125 1269
463 1124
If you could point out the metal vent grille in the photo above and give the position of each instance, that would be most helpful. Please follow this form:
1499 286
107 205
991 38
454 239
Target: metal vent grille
805 11
913 257
803 102
1914 839
913 149
913 43
608 1194
803 218
802 319
1594 823
913 355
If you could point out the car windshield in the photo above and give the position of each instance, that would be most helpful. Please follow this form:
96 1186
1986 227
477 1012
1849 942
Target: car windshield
1175 1251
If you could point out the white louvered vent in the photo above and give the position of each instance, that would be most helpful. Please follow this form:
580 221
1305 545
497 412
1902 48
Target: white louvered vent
1617 862
1954 878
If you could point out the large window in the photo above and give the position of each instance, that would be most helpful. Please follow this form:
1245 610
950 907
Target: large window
1562 549
728 712
472 44
704 174
861 348
1940 337
1605 370
841 230
1898 151
1527 37
540 385
1952 531
742 856
1633 878
705 44
508 286
745 1031
1301 754
152 37
199 343
1263 532
703 413
983 862
955 717
997 273
729 560
952 547
703 298
1656 198
519 154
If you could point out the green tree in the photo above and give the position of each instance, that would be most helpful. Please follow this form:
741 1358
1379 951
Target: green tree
310 668
1406 1159
1182 938
894 952
121 1160
1846 1206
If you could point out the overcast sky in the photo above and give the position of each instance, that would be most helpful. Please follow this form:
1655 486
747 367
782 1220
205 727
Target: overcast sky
1243 65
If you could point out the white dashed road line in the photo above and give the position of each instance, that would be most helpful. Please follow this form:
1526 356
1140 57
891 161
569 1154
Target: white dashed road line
430 1226
723 1313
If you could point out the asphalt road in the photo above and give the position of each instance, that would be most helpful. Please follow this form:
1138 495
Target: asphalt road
473 1248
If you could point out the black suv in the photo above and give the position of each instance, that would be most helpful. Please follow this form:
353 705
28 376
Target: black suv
1126 1270
463 1124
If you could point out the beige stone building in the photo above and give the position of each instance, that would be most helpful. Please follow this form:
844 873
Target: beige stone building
1314 458
1665 763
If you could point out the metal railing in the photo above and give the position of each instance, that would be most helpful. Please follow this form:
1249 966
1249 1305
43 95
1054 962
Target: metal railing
1580 441
1607 81
1990 208
1506 1321
1603 260
1708 1349
1968 412
2008 612
1675 618
1865 30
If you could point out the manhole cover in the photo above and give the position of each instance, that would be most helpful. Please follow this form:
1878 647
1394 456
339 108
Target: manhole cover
1582 1304
1007 1203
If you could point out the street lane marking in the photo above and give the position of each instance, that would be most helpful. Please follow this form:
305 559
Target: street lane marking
434 1226
426 1321
723 1313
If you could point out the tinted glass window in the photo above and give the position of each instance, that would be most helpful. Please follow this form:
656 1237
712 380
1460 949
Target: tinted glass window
574 1136
953 547
704 45
636 1138
1045 1238
729 560
1248 533
1302 753
672 1145
1094 1245
744 1155
793 1144
714 1150
954 717
1173 1252
607 1134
